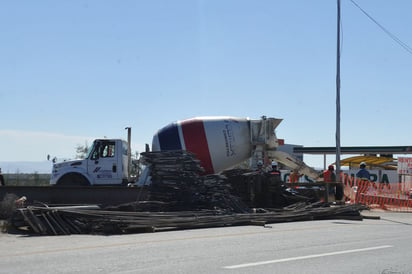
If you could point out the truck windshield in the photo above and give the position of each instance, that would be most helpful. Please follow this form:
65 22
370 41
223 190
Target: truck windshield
90 151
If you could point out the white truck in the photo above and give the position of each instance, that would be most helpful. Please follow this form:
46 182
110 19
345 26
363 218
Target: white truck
218 142
107 163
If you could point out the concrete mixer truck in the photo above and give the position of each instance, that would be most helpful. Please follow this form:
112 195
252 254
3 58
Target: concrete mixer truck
218 142
224 142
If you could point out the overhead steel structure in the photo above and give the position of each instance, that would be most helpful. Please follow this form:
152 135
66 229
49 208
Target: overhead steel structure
383 151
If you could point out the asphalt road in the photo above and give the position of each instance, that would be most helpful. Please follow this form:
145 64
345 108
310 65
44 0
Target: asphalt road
334 246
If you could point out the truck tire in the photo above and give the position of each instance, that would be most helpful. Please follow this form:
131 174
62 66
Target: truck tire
73 179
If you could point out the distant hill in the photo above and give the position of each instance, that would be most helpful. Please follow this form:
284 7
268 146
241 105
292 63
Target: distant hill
42 167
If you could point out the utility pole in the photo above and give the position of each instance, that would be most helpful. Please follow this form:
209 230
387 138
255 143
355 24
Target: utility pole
338 168
129 152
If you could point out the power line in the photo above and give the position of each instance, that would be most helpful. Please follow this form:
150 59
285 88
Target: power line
391 35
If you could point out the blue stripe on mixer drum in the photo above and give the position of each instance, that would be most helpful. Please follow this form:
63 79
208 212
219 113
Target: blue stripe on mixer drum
169 138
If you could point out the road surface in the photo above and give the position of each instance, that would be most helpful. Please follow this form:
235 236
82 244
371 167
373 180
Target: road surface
333 246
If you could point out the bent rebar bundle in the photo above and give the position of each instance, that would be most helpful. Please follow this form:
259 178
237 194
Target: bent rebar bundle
176 181
179 198
82 220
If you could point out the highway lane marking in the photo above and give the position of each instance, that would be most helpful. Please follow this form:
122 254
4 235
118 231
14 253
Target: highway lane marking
307 257
46 250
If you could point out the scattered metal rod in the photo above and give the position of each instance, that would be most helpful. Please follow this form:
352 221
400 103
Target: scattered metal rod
179 198
50 221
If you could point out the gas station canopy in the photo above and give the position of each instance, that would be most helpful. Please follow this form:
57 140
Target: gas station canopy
356 150
370 154
383 162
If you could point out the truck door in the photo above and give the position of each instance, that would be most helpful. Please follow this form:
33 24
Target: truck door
103 164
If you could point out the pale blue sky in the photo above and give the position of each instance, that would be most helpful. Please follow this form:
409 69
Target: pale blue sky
76 70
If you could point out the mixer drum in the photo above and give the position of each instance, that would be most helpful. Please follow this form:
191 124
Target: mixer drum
218 142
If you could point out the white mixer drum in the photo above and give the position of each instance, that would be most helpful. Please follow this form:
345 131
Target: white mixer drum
218 142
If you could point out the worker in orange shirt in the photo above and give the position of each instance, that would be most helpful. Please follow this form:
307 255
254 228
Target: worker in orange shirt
294 178
329 176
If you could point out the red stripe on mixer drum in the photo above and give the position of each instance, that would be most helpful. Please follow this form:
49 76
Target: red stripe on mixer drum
196 142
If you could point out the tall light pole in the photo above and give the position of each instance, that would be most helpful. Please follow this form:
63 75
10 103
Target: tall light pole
338 178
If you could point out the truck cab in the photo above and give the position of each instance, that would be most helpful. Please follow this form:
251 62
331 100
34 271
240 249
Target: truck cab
106 164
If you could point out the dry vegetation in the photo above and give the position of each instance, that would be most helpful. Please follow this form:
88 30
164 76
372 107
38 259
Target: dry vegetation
27 179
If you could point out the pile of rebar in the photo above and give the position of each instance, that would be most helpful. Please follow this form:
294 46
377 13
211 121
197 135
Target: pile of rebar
88 220
179 198
176 180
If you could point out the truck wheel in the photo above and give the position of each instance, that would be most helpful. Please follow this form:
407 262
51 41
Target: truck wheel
73 179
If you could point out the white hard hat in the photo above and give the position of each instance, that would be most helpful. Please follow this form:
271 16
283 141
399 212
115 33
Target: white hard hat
274 163
362 164
260 163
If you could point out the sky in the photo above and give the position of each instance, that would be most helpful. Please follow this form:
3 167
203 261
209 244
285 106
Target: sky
73 71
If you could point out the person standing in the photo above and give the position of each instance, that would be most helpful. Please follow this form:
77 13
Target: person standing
364 177
329 176
275 170
363 173
294 176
